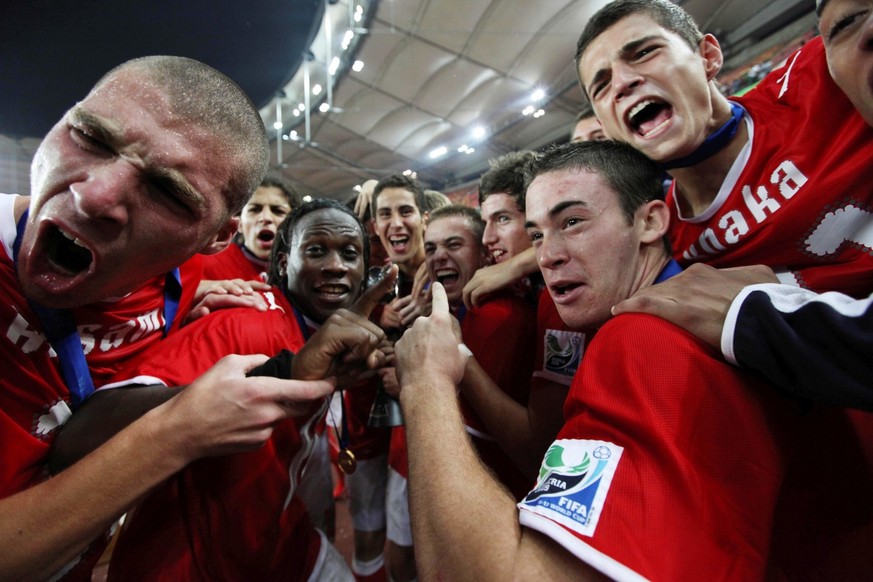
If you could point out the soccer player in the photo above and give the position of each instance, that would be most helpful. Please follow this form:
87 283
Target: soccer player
147 170
808 344
672 464
181 530
499 333
248 258
743 192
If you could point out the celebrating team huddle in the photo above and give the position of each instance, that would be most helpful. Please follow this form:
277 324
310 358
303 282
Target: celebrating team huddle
635 359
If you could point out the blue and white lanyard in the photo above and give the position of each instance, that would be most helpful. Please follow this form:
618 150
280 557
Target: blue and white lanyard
61 332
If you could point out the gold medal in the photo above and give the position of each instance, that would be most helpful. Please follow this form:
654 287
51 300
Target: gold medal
346 461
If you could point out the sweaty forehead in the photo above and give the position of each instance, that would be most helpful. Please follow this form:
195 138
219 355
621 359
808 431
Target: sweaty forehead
555 191
612 40
449 227
395 197
328 222
133 117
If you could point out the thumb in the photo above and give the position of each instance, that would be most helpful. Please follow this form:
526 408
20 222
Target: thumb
440 300
372 296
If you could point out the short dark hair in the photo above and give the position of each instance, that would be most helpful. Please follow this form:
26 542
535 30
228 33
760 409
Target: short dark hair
668 15
470 214
291 195
435 199
207 98
634 178
507 175
286 230
406 183
586 112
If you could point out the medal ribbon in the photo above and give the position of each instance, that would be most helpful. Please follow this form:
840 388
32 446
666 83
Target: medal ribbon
342 436
713 143
61 332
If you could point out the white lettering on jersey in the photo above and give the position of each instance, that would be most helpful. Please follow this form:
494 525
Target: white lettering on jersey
760 202
847 224
22 334
146 324
106 339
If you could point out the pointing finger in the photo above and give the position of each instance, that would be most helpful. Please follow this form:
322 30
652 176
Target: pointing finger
372 296
440 300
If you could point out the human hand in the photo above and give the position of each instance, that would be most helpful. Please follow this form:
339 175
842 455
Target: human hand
392 314
493 278
212 295
697 299
365 199
348 342
420 281
418 305
223 411
388 376
430 347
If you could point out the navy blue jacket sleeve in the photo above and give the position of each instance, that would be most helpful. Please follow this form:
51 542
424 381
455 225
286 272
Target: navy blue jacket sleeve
813 346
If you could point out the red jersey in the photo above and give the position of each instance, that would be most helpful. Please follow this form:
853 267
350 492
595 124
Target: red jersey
365 442
233 263
34 398
230 517
501 335
668 466
799 198
674 465
115 331
559 348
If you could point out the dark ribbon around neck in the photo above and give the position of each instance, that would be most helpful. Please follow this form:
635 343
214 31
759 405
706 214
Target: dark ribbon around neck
342 432
60 329
714 142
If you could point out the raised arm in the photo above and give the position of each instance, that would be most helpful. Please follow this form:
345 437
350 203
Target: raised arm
489 280
47 525
341 345
452 496
524 432
697 299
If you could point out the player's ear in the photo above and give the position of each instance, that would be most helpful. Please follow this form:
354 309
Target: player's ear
653 219
282 260
713 59
222 239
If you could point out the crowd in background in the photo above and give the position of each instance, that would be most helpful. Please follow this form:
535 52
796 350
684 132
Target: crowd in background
645 355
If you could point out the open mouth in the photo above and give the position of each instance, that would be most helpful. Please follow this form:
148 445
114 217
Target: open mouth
497 255
564 288
266 235
398 242
333 292
66 253
647 116
445 276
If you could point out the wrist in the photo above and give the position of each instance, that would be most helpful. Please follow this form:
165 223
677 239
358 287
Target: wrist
170 441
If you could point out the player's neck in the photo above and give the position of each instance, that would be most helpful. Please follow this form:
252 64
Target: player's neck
653 260
410 267
697 186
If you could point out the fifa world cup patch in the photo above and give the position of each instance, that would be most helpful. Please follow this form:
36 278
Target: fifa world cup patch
562 351
573 483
